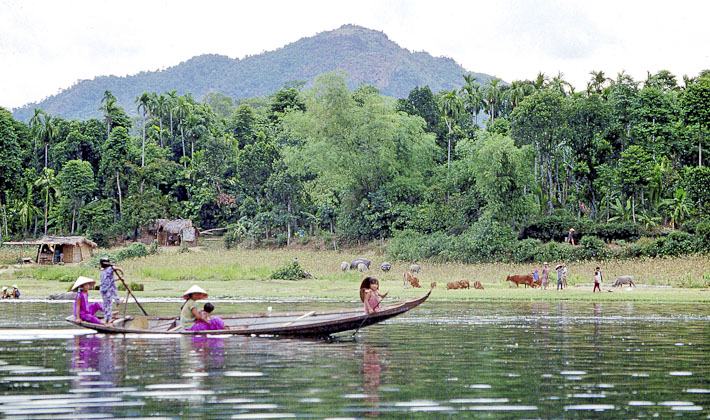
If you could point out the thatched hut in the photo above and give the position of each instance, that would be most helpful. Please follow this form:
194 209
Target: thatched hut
56 249
177 232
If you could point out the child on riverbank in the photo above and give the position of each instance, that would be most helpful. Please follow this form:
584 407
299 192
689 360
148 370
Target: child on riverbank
109 291
369 294
597 281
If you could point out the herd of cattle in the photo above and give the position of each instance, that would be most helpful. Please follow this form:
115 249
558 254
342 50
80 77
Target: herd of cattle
411 278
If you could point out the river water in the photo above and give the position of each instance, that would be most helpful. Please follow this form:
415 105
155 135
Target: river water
450 360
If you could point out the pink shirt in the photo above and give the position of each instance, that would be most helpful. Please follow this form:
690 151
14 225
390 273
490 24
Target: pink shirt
373 301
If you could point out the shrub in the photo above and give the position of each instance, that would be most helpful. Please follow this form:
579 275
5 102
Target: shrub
677 243
593 248
525 250
135 250
554 251
136 287
290 271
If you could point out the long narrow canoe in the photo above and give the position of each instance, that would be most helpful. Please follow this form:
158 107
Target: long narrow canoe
304 324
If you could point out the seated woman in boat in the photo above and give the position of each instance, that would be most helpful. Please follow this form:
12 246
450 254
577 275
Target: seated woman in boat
370 295
82 310
192 318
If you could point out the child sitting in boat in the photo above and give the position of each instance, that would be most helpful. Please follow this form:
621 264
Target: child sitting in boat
193 319
369 294
214 323
82 310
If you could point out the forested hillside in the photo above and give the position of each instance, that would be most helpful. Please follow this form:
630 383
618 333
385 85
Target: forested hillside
622 162
364 55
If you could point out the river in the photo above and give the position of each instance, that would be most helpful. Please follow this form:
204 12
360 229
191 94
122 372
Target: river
452 360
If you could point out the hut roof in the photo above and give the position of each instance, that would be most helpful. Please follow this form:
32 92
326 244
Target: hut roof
176 226
56 240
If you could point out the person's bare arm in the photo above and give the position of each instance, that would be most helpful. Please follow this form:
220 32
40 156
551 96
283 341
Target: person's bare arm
198 315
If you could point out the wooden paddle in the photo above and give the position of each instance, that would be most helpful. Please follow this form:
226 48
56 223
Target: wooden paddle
130 293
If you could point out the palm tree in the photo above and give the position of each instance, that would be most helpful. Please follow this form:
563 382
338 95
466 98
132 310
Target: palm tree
678 206
35 125
26 209
559 84
517 91
451 106
143 102
170 105
109 108
48 182
598 81
47 131
540 82
473 97
182 110
160 106
492 93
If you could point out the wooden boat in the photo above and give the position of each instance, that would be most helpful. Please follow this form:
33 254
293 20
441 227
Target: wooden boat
308 324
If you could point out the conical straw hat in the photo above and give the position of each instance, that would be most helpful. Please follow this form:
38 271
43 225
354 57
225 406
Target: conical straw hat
193 289
81 281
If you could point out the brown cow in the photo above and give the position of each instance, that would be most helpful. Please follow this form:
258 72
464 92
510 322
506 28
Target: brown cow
407 278
477 285
527 280
464 284
453 285
433 284
415 281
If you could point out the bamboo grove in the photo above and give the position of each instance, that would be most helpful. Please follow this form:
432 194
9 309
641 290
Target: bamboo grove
490 171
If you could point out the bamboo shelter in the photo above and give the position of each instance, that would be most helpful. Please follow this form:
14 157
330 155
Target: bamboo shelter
60 249
177 232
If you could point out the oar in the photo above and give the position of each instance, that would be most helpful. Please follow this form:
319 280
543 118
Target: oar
306 315
130 293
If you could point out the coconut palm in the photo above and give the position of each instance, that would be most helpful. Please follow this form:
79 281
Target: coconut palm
472 97
46 132
47 181
451 106
109 108
143 102
493 93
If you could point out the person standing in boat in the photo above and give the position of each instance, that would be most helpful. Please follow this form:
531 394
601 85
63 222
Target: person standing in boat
82 310
192 318
109 291
370 295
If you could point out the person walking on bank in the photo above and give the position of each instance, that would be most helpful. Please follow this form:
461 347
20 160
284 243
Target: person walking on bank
570 236
109 291
597 281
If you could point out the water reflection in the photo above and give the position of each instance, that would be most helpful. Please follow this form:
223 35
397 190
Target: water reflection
371 374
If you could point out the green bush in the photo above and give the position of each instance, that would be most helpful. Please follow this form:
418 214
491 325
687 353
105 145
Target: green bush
556 228
135 250
135 287
290 271
525 250
554 251
593 248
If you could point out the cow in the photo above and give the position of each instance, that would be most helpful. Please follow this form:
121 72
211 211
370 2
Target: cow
415 268
527 280
362 267
477 285
411 279
453 285
464 284
386 267
624 280
356 261
344 266
432 284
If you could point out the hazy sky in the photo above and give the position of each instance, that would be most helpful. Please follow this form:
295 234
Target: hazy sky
46 46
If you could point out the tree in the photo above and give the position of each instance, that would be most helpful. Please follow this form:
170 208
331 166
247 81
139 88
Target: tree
451 107
678 207
695 106
635 168
113 161
47 132
540 120
77 183
109 108
144 103
48 183
493 94
26 209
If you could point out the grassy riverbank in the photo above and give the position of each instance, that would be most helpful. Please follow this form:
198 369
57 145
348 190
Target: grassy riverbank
245 273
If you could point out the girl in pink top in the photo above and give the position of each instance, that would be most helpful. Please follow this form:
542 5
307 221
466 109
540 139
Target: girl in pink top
369 294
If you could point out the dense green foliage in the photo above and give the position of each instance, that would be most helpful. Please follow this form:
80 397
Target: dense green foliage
366 56
620 162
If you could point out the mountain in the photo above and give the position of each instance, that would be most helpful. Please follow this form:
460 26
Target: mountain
365 55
